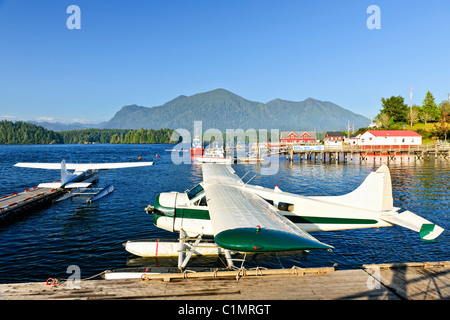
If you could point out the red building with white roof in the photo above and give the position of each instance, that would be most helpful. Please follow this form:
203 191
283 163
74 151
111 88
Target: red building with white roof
385 139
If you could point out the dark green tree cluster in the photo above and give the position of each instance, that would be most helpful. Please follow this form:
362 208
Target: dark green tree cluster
89 135
395 113
144 136
27 133
395 110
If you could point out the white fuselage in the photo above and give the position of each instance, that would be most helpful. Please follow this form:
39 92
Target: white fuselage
368 206
311 214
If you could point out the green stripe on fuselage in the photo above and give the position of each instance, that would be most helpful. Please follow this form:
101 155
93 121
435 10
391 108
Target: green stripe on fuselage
188 213
329 220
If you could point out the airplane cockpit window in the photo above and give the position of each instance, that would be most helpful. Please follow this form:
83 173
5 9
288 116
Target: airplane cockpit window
284 206
195 191
201 202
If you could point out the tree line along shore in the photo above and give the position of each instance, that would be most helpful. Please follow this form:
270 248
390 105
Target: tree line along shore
27 133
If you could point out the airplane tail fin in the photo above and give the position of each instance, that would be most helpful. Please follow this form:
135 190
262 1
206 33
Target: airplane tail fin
64 172
65 175
378 189
375 193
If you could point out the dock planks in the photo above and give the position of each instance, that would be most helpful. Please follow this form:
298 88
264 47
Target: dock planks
422 281
20 203
415 281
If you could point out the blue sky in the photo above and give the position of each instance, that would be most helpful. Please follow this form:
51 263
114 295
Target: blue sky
149 52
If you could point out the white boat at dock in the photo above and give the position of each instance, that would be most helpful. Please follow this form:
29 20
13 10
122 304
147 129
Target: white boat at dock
216 155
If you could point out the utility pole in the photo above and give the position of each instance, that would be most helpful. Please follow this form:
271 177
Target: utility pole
348 129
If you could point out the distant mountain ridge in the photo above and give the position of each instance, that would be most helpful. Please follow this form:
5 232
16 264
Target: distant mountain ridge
58 126
222 109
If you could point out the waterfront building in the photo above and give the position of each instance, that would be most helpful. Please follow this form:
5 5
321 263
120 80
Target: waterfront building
390 139
334 138
298 137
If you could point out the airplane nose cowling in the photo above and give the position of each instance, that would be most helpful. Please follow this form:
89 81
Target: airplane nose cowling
265 240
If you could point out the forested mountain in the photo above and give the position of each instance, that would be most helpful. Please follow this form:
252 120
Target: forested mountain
28 133
221 109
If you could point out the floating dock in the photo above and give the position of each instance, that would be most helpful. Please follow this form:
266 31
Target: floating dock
404 281
21 203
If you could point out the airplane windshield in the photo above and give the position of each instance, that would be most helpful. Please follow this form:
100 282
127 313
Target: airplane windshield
195 191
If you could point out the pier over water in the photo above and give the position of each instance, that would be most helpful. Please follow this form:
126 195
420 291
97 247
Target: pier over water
20 203
348 153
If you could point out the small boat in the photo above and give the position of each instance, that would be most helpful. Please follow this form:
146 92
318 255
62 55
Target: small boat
142 272
251 157
136 273
196 149
215 155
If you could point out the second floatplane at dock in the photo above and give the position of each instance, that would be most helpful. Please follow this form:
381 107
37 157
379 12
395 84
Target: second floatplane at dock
222 214
82 179
78 182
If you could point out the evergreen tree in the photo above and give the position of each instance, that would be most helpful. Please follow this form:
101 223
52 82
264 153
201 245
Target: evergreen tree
429 106
395 108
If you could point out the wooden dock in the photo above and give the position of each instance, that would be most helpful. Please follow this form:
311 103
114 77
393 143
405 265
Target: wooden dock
416 281
20 203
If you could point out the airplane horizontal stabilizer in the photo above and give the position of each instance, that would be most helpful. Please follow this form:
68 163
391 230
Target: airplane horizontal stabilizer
428 231
51 185
54 185
77 185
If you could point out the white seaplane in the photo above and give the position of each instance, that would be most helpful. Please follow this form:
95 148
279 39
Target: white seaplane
83 176
246 218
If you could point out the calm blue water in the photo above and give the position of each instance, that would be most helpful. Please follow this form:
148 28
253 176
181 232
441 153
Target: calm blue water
44 243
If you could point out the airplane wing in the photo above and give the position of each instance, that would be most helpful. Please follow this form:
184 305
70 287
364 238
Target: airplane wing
38 165
83 166
106 166
243 221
